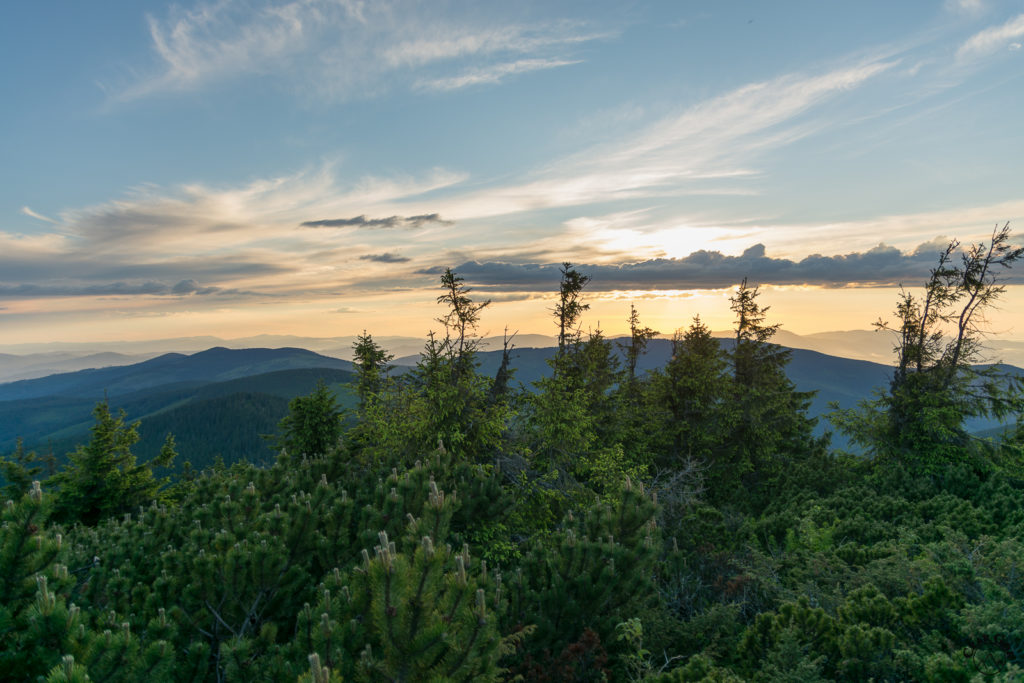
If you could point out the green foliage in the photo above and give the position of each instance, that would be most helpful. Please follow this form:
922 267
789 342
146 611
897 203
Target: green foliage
593 573
569 307
918 421
699 669
639 336
606 469
424 614
262 539
35 623
372 368
226 426
692 394
19 470
102 478
442 401
559 425
68 672
312 425
768 428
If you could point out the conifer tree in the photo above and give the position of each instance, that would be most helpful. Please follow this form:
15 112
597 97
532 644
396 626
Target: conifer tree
372 368
500 388
918 422
569 308
40 631
693 392
377 394
443 399
768 429
756 361
313 423
635 409
560 420
639 336
19 470
597 367
102 477
559 424
424 614
460 322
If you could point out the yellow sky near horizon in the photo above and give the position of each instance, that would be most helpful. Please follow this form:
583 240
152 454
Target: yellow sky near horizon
800 309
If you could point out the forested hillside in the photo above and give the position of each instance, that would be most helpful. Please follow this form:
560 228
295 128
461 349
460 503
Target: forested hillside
611 522
212 415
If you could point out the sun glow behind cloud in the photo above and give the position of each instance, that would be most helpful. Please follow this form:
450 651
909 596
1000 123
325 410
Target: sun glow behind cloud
629 233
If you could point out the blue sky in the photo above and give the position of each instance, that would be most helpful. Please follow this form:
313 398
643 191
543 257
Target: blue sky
232 168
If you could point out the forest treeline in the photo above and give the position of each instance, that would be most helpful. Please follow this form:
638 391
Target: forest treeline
682 524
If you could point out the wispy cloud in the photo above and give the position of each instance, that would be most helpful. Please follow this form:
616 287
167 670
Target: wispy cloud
456 42
219 40
343 48
197 240
38 216
992 39
966 6
147 288
492 74
904 230
705 148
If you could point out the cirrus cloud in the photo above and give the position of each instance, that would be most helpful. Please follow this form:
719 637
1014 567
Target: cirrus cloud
342 49
989 40
120 289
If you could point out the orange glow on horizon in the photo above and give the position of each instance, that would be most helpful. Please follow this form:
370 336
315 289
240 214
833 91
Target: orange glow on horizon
801 310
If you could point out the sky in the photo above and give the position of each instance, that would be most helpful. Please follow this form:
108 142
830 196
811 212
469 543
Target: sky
310 167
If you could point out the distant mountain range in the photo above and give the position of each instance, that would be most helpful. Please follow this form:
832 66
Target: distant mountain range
212 365
29 361
27 366
219 401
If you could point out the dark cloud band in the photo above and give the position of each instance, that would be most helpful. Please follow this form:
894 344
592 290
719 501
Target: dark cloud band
883 266
386 257
378 223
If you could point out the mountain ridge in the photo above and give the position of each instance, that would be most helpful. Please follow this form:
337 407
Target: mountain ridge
213 364
167 390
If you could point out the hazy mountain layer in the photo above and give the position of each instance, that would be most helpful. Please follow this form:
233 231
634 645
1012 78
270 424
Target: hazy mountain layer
24 361
216 364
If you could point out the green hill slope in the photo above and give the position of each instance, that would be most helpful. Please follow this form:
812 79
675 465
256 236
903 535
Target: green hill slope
207 419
